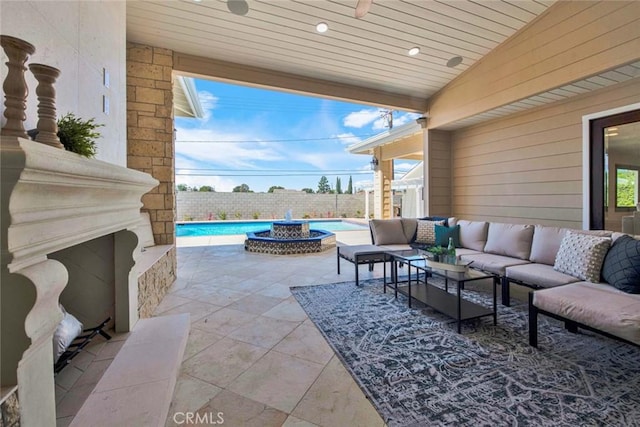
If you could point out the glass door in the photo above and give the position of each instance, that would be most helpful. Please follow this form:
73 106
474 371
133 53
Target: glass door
615 169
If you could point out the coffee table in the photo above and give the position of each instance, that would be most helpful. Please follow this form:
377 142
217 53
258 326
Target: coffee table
433 291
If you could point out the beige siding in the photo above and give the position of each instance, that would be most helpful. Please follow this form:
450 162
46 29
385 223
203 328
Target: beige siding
439 147
527 168
569 42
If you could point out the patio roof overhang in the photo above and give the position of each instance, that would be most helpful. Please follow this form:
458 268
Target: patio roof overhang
402 142
186 102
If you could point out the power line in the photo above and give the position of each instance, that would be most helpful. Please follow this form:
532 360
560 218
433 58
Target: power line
346 171
274 174
281 140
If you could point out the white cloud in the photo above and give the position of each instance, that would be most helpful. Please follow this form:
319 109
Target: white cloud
403 118
227 154
208 102
359 119
347 138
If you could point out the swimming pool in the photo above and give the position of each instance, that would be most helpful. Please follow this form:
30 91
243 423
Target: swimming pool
193 229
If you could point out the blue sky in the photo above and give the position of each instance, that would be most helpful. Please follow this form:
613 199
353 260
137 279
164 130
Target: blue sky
264 138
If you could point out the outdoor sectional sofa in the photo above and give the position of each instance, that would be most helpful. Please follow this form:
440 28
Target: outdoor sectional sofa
562 265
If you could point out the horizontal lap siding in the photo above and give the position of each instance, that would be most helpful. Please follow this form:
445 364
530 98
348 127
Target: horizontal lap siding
570 41
527 168
439 173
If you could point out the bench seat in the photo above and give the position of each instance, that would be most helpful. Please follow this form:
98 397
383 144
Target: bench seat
538 275
595 306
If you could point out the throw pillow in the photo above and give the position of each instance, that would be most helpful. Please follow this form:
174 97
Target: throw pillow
581 255
436 218
621 266
443 233
66 331
427 231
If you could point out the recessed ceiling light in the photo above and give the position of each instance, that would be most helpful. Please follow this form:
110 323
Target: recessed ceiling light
322 27
414 51
454 62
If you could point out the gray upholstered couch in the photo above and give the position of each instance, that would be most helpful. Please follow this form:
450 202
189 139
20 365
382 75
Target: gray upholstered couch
527 255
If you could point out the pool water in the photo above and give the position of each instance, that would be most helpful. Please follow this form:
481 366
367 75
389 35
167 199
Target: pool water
193 229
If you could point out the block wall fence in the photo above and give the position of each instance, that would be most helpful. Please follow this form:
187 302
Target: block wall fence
197 206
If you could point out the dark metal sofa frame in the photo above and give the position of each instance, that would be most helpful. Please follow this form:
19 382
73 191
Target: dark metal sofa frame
570 325
366 257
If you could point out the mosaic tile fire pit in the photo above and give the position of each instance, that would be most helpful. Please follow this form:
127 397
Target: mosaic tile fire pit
289 237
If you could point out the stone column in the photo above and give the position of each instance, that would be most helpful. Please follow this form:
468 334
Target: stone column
382 192
150 132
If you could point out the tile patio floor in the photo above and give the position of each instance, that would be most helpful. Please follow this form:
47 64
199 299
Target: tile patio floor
253 354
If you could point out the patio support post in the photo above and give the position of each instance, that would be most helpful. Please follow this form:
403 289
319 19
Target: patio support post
422 121
366 204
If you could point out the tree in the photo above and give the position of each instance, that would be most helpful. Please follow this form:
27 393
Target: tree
182 187
338 185
242 188
207 188
274 187
350 186
323 185
307 190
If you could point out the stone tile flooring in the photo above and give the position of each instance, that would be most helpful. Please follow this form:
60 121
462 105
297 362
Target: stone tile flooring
253 356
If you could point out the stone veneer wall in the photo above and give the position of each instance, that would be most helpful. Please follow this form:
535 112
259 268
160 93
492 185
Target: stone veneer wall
150 136
197 206
10 411
154 283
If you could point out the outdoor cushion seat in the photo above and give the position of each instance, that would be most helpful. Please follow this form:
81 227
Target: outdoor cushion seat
597 305
361 254
398 247
495 264
541 275
460 252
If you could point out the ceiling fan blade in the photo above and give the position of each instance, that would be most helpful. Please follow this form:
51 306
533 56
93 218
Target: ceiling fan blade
363 7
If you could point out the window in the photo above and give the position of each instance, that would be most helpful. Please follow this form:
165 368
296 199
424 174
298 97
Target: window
627 187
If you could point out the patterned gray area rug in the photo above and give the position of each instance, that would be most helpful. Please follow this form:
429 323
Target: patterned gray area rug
417 370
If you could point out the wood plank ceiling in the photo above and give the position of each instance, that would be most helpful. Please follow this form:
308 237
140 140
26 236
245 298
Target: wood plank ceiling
371 52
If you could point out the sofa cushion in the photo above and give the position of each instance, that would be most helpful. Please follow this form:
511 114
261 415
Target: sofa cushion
541 275
427 231
473 234
387 232
409 228
443 233
512 240
545 244
581 255
598 305
621 267
492 263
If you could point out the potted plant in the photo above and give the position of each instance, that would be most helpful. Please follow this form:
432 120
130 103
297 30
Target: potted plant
78 135
436 252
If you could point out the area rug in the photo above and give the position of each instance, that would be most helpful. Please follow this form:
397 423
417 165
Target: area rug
417 371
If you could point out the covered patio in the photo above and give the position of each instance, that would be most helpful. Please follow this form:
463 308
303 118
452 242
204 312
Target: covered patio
509 92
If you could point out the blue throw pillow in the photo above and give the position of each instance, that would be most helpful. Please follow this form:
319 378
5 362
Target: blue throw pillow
443 233
621 267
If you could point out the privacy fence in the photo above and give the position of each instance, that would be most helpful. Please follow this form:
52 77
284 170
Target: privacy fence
209 206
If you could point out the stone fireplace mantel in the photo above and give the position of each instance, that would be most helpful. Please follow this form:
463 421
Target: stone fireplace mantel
59 199
52 200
